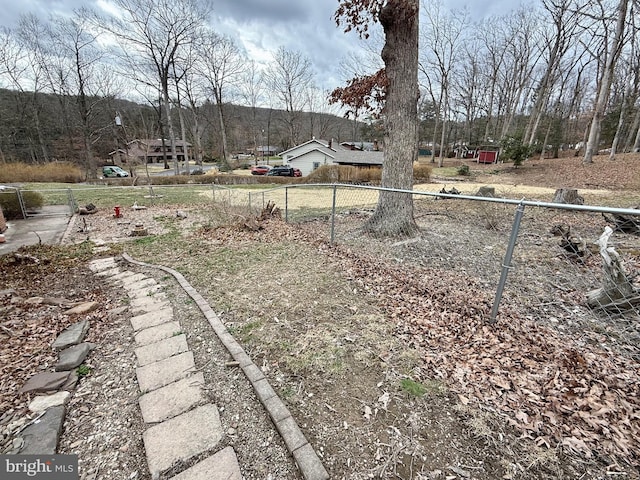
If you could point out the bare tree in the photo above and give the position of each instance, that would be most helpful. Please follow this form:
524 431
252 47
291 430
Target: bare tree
399 19
251 88
151 34
220 64
555 43
442 38
288 78
614 48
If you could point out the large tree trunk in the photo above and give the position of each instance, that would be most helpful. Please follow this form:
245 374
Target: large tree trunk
394 213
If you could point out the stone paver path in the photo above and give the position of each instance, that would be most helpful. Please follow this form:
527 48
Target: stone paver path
181 425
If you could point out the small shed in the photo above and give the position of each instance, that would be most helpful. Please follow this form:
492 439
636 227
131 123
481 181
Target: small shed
487 155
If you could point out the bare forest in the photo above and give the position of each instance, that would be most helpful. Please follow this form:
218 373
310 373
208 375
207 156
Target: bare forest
553 75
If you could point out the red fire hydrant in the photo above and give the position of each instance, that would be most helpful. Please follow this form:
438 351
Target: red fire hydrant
116 211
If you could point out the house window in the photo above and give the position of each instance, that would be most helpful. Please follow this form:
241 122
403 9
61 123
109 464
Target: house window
316 165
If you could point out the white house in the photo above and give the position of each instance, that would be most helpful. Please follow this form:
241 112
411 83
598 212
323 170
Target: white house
313 154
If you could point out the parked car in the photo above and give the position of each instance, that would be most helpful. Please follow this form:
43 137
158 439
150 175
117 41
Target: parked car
260 169
110 171
285 171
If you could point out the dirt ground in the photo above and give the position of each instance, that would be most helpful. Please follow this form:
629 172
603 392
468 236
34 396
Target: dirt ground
381 349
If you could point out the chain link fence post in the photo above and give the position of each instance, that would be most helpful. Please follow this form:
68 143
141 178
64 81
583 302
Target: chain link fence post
333 214
286 204
72 202
23 207
506 264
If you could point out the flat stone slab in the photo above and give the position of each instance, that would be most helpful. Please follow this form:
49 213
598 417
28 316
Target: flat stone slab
42 402
147 304
71 357
164 372
161 350
109 273
182 437
142 284
85 307
172 399
132 279
157 333
149 301
223 464
102 264
72 335
151 319
148 291
41 438
45 382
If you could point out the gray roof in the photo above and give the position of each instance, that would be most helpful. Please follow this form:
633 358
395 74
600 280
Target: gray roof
356 157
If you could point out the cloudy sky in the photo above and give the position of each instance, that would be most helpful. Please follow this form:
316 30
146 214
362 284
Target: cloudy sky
261 26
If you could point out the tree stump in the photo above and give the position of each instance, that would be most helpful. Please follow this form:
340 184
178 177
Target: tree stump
486 191
568 196
617 292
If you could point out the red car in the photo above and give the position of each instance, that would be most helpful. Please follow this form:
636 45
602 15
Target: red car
260 169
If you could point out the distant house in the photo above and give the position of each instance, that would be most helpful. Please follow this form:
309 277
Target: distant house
267 151
151 151
313 154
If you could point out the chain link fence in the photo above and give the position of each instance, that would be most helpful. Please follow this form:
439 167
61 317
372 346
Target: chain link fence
542 258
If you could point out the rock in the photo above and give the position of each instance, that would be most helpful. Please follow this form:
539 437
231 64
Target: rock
41 438
72 335
85 307
7 292
71 357
41 403
34 301
45 382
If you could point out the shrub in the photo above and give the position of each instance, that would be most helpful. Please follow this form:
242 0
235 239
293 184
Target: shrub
11 206
61 172
464 170
422 173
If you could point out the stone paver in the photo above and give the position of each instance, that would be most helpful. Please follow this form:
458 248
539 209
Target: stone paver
157 333
147 304
172 399
109 273
102 264
73 356
141 285
131 280
42 402
148 291
45 382
41 438
151 319
71 335
149 300
222 465
164 372
161 350
182 437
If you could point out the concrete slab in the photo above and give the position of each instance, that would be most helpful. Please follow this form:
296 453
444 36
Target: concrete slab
147 306
156 298
102 264
147 283
157 333
148 291
182 438
164 372
223 464
161 350
48 226
109 273
132 280
151 319
173 399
